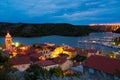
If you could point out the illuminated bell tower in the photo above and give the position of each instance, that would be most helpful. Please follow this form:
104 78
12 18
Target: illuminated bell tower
8 41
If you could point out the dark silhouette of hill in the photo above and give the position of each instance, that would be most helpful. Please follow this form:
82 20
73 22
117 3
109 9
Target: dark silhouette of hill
35 30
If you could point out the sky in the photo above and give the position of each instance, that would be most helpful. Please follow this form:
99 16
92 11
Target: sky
60 11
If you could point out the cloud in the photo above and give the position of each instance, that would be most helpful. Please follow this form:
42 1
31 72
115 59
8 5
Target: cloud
59 10
88 14
43 9
93 3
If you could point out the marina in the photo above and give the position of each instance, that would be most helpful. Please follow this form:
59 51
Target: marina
99 41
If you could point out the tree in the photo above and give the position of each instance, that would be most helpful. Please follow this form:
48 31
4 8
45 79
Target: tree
117 73
79 58
117 40
111 55
5 67
101 53
3 59
35 72
57 72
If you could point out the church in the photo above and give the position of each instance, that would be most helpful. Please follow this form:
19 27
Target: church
8 41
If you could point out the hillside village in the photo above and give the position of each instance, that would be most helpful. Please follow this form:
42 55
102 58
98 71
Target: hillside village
89 63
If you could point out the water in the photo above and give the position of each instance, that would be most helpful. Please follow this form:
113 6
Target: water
71 41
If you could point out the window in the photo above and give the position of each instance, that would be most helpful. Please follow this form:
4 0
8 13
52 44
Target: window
91 70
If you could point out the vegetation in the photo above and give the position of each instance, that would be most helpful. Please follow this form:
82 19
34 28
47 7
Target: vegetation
112 55
5 68
57 72
33 30
117 73
117 41
36 72
3 59
79 58
101 53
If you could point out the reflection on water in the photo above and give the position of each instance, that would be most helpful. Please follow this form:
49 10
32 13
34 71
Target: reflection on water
71 41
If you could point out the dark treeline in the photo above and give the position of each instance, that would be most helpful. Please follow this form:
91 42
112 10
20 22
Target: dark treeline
35 30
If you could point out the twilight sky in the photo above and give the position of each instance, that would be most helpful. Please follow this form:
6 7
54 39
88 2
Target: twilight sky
60 11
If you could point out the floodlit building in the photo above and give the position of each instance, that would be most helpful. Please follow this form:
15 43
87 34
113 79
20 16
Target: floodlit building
8 41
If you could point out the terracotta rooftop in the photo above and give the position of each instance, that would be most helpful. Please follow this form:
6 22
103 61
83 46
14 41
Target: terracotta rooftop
40 44
91 50
36 55
45 63
85 52
19 61
71 50
103 63
60 60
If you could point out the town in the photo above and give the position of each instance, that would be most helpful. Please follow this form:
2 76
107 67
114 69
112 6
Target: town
71 60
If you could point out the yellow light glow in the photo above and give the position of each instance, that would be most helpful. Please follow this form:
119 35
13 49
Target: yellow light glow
14 53
42 58
111 56
118 44
17 44
57 51
13 43
0 48
60 50
23 48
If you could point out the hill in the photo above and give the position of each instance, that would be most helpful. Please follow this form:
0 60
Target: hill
35 30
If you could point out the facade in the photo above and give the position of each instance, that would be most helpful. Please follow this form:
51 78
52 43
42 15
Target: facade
22 67
63 62
8 41
66 65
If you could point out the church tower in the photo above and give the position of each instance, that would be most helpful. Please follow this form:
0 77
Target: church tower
8 41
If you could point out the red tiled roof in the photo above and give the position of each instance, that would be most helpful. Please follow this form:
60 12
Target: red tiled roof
30 51
91 50
103 63
36 55
19 61
79 49
60 60
45 63
85 52
40 44
71 50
